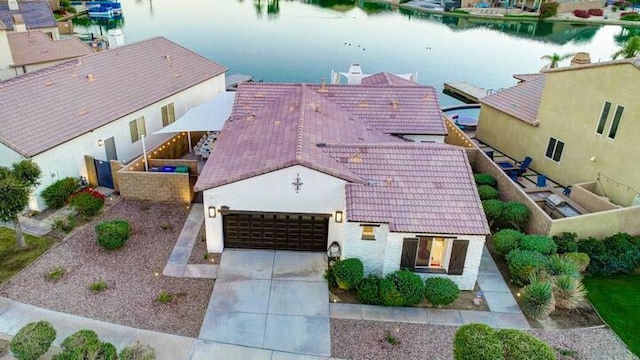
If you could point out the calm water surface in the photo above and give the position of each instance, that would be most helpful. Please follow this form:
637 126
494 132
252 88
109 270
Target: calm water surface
292 41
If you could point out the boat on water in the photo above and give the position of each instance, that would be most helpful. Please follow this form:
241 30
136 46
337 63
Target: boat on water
100 9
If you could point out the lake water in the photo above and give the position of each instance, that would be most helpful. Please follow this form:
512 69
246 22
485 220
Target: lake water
294 41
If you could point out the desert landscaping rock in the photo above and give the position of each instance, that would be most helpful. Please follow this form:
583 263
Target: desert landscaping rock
133 275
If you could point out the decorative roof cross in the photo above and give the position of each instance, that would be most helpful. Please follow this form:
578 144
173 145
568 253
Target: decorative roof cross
298 184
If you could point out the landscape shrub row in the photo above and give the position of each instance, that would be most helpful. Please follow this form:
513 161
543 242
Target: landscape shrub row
480 341
34 339
400 288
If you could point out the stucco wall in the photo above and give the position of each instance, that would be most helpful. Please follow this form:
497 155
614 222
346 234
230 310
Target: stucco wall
600 224
565 115
382 255
274 192
585 195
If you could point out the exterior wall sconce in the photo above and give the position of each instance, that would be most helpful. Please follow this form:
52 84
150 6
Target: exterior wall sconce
212 211
338 216
100 142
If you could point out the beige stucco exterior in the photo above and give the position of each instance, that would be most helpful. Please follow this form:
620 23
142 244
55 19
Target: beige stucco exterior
570 108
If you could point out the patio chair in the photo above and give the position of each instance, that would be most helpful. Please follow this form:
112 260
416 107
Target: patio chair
516 170
541 181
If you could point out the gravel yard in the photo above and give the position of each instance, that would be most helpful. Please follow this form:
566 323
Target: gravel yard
133 274
359 339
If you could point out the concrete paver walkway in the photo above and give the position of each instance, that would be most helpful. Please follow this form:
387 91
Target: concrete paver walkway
274 300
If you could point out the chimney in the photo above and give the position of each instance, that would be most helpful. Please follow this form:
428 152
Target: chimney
581 58
18 23
13 5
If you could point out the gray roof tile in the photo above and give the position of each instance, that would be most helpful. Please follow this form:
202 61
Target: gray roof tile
36 14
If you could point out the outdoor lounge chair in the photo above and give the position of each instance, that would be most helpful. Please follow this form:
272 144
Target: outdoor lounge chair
516 170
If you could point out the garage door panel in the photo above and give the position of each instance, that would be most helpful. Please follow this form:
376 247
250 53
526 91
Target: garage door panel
303 232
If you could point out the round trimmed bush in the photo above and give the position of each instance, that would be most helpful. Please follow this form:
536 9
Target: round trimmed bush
56 194
410 285
389 294
484 179
537 299
113 234
580 259
108 351
560 265
348 273
138 351
540 243
493 209
515 213
507 240
518 345
80 340
85 344
369 291
33 340
524 263
488 192
441 291
86 204
477 342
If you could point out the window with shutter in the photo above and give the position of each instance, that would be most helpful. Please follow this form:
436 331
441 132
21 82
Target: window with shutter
434 254
409 249
458 257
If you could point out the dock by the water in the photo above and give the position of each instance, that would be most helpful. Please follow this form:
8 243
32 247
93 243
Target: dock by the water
465 91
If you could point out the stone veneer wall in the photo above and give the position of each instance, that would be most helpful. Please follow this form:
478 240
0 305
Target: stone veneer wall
155 186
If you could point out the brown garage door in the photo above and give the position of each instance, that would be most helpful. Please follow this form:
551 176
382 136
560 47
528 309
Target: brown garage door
304 232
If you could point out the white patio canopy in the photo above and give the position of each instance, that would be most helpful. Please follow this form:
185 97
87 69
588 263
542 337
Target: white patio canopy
208 116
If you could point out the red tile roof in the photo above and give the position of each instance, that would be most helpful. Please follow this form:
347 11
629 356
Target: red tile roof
520 101
34 47
387 79
413 187
48 107
282 127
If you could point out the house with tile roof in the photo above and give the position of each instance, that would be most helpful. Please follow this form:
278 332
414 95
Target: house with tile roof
28 51
29 15
304 167
101 106
578 123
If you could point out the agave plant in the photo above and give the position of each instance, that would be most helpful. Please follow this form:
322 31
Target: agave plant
568 292
560 265
537 298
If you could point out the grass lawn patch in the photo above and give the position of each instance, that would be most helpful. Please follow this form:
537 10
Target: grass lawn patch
617 299
13 259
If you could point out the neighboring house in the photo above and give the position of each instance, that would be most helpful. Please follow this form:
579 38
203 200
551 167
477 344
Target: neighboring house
28 51
101 106
29 15
578 123
299 167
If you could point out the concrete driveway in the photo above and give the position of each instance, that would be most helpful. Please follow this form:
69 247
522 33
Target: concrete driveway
275 300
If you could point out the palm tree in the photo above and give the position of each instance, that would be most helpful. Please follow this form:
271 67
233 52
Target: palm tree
554 59
630 49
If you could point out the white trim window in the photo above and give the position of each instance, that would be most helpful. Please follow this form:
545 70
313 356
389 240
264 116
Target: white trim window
604 115
368 232
613 130
554 149
137 128
168 114
434 254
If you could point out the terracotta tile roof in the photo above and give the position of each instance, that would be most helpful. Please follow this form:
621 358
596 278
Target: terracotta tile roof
520 101
34 47
387 79
36 14
51 106
282 127
413 187
526 77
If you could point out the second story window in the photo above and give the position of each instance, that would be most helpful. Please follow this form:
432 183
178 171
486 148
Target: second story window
554 149
168 115
616 122
603 117
137 128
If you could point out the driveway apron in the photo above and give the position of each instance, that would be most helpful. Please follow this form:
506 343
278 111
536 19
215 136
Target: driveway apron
275 300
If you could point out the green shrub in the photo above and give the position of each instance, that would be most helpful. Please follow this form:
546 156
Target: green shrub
32 340
164 297
85 344
65 225
537 298
348 273
80 341
484 179
477 342
580 259
518 345
616 254
330 277
369 291
389 294
98 286
493 209
56 194
138 351
630 17
568 291
441 291
540 243
560 265
548 9
507 240
409 285
515 213
567 242
112 234
108 351
56 273
488 192
87 203
524 263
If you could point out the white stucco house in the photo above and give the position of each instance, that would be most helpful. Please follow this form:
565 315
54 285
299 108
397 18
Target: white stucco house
299 167
101 105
